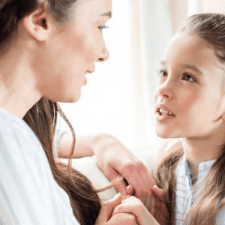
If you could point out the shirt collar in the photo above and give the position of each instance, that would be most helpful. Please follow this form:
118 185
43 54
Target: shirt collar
183 169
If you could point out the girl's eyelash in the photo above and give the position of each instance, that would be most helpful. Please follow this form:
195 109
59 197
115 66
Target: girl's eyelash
102 27
162 72
190 76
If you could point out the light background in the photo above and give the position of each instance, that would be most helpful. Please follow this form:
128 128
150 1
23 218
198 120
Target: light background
118 96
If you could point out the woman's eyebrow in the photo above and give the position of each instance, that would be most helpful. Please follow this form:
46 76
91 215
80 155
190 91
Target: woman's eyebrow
109 14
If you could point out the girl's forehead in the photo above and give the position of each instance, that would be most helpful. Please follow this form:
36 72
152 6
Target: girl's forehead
190 49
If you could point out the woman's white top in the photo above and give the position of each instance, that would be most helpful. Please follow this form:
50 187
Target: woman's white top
184 195
29 194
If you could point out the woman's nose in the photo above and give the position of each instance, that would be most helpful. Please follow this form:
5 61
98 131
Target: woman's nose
104 55
166 90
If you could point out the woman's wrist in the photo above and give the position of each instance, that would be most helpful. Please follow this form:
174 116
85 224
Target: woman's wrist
100 142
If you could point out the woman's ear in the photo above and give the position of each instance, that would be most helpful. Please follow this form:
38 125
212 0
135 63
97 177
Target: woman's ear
38 23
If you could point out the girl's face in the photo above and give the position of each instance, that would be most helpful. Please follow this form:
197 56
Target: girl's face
73 50
189 100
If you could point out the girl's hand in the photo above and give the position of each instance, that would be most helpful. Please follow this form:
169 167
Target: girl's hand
135 207
161 212
114 159
105 216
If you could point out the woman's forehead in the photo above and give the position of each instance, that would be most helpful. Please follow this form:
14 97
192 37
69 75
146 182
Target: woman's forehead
94 7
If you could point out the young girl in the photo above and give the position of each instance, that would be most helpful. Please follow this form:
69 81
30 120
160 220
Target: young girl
190 105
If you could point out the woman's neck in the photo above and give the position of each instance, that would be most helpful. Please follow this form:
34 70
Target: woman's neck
18 91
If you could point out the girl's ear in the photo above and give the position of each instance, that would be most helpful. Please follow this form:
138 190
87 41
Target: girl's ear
38 23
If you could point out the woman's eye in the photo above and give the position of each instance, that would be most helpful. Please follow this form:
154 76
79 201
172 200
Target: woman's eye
188 77
162 73
102 27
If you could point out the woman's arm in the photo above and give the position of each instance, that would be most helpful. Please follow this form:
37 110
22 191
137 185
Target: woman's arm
114 159
83 147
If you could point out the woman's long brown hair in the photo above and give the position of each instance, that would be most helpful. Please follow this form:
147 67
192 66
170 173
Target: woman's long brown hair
42 117
210 198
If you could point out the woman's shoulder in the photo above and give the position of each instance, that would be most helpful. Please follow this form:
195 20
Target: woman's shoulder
15 131
27 184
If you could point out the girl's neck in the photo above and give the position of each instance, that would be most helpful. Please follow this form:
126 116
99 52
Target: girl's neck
197 150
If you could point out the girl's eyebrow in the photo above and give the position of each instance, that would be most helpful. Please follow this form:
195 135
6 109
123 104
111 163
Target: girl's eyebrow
192 67
186 66
109 14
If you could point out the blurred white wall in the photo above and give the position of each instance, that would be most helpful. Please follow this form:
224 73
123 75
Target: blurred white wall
116 99
118 96
213 6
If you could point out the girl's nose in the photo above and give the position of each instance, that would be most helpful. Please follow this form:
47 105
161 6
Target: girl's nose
104 55
166 90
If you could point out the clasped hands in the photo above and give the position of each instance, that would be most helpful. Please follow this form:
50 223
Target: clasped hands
147 206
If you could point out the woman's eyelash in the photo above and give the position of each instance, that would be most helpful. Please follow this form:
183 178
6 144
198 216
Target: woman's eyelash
102 27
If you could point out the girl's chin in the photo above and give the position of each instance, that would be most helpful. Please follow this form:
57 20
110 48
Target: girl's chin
164 134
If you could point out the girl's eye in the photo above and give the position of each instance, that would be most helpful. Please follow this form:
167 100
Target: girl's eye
162 73
188 77
102 27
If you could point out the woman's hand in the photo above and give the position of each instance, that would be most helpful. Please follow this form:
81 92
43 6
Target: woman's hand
135 207
105 216
114 159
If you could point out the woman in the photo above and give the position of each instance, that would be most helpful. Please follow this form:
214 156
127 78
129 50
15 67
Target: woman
46 48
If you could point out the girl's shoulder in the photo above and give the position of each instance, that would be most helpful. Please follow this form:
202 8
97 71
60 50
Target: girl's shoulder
168 148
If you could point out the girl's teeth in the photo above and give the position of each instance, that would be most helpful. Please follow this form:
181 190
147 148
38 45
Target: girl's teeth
162 111
165 113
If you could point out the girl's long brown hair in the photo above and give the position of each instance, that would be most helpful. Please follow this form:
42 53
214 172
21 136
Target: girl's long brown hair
42 117
210 198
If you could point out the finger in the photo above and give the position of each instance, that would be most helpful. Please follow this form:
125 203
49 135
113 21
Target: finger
158 192
108 207
148 182
136 207
130 190
142 181
132 176
122 219
119 185
125 207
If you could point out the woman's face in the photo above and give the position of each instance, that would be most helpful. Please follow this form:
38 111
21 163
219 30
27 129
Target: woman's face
74 48
189 100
